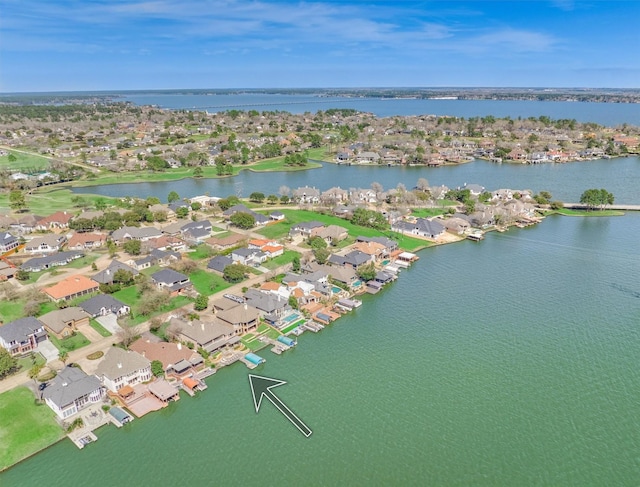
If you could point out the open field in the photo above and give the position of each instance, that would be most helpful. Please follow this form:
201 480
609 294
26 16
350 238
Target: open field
26 427
23 162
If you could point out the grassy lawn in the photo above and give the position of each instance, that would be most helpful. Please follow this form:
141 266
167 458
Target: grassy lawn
570 212
427 212
85 261
11 310
26 427
74 342
128 295
293 216
45 201
99 328
293 326
202 251
26 163
207 283
25 363
283 259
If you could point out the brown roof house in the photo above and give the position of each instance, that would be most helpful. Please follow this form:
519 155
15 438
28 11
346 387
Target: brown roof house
242 317
210 335
176 359
71 287
63 323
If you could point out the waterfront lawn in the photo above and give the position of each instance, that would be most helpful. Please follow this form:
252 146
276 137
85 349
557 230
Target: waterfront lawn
292 327
207 283
69 344
99 328
129 296
286 258
26 427
281 229
571 212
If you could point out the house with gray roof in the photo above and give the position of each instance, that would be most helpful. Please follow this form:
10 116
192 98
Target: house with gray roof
8 242
219 262
305 229
353 259
106 276
120 368
171 280
71 391
272 307
104 304
306 194
259 217
22 335
250 257
196 232
421 227
135 233
56 259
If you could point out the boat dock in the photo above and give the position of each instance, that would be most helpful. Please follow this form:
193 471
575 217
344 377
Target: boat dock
476 237
251 360
312 326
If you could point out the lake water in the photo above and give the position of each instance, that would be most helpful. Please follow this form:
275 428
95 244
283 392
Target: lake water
513 361
609 114
566 182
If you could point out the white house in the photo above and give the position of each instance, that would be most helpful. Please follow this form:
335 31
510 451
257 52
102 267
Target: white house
71 391
121 368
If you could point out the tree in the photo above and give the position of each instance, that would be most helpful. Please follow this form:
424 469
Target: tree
198 172
234 273
366 272
272 199
123 277
156 368
63 356
321 255
243 220
317 242
293 302
295 263
256 197
182 212
593 198
17 201
173 196
196 205
201 302
34 371
132 247
8 364
22 275
423 184
126 335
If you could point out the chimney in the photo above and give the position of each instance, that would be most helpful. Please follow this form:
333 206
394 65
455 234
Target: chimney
179 346
202 326
119 365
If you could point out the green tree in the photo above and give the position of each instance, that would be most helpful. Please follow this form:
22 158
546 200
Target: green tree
293 302
243 220
317 242
8 364
156 368
256 197
295 263
594 198
196 205
366 272
17 201
321 255
272 199
234 273
182 212
198 172
22 275
133 247
173 196
201 303
63 356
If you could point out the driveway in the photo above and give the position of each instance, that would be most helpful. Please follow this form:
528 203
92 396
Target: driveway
110 322
48 350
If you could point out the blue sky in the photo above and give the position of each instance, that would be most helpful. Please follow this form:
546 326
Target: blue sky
58 45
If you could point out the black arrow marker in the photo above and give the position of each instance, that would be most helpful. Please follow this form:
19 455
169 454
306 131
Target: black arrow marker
261 386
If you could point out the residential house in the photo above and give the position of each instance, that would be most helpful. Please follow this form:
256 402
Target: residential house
421 227
259 217
272 307
474 189
45 244
135 233
8 242
389 245
104 304
71 391
305 194
57 220
196 232
376 250
86 241
304 229
71 287
62 323
160 208
177 360
456 225
353 259
226 243
246 256
334 195
22 335
106 276
277 215
209 335
331 234
219 262
243 318
367 157
120 368
171 280
37 264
